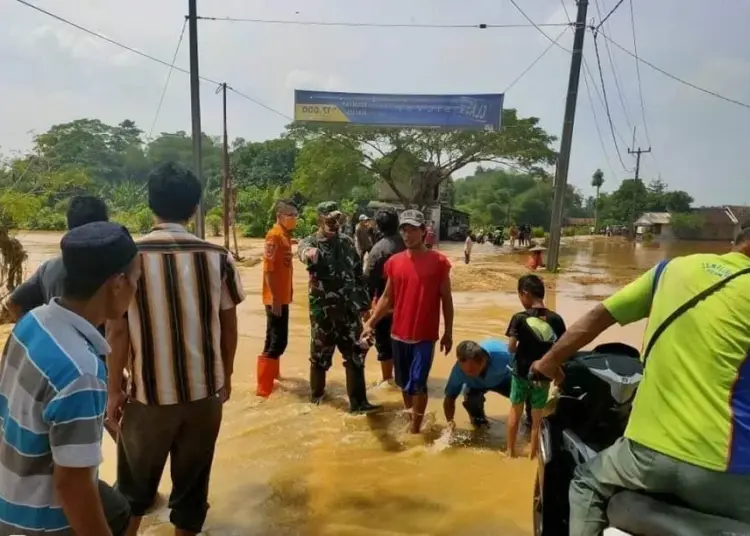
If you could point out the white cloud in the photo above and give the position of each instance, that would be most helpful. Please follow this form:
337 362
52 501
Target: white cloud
54 73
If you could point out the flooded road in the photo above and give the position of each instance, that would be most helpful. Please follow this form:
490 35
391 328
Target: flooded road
284 467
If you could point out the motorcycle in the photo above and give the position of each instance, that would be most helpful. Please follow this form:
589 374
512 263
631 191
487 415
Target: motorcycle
589 413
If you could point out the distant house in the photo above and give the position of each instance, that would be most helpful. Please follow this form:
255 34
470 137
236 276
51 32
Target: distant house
578 222
717 223
721 223
658 224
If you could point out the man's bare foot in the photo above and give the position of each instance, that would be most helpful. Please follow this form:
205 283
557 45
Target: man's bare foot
510 453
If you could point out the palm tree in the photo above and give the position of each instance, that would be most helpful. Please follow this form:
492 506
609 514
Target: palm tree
597 180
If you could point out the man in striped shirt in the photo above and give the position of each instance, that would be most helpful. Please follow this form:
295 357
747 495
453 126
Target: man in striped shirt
53 394
178 343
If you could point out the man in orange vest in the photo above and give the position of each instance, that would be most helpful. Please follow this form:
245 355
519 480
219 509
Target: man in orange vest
277 294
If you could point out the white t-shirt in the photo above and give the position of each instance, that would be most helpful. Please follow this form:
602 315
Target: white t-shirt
468 245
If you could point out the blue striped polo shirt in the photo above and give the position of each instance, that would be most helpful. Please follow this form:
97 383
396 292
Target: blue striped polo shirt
53 396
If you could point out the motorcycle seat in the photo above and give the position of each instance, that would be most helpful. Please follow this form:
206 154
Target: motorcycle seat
643 515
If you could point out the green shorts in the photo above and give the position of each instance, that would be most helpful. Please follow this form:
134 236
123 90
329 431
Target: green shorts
522 390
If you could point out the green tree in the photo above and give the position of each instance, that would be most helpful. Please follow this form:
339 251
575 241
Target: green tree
433 155
597 180
268 163
327 170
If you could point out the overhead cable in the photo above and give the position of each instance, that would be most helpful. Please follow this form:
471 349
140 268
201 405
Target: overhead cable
606 103
672 76
596 124
143 54
549 47
166 82
354 24
616 76
538 27
601 22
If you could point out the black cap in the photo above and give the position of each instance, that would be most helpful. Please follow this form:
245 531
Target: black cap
97 251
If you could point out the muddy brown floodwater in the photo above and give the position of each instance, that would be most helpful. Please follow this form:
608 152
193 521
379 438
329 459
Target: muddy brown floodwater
284 467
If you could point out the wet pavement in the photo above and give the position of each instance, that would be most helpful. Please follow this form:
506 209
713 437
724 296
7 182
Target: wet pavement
284 467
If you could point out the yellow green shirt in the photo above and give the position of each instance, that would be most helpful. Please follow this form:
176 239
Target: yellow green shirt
694 401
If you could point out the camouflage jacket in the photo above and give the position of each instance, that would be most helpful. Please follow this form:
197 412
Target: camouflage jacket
336 285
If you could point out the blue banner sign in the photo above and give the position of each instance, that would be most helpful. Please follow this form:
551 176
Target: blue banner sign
481 112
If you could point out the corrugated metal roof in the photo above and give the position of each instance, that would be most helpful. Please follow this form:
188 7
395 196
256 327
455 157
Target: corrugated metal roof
654 218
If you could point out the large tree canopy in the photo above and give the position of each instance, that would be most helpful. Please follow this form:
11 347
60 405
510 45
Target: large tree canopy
429 157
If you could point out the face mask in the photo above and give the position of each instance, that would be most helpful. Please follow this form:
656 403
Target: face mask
289 222
331 226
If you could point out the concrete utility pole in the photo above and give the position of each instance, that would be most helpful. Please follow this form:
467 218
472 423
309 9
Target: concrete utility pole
638 154
195 109
225 185
563 161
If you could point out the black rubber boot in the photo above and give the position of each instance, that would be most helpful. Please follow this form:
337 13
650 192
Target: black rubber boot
317 384
357 391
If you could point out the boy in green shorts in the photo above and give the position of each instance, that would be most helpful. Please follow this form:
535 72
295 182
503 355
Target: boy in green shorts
531 334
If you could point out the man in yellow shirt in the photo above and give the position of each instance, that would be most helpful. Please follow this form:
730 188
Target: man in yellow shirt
689 430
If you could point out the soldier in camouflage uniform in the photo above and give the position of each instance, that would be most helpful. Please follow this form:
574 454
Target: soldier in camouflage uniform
338 298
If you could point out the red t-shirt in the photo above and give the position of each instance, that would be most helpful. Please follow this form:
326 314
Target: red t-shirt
415 284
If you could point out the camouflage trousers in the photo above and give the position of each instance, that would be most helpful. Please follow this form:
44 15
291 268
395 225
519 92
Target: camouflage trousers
330 332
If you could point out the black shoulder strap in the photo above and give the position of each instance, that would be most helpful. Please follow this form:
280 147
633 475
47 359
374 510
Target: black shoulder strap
692 302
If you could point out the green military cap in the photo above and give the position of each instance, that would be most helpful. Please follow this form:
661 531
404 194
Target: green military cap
329 209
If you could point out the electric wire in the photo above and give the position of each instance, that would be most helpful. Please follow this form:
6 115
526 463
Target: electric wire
640 85
481 26
616 76
672 76
601 22
166 82
596 124
606 103
533 63
538 28
144 55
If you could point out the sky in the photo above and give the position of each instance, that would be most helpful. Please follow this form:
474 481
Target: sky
53 73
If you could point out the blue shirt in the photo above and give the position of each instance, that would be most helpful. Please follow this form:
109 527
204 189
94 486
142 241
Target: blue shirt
497 370
53 395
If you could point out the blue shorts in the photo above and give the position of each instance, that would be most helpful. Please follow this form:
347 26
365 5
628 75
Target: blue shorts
411 365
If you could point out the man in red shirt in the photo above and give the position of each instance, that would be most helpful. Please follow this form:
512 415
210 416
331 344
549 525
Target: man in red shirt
418 283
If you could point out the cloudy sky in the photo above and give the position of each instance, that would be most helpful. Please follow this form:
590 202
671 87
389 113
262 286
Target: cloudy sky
52 73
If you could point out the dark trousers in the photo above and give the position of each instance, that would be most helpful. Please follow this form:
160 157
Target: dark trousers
474 400
277 332
187 434
116 509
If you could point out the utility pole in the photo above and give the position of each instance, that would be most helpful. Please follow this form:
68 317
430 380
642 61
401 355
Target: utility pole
563 161
638 154
225 184
195 109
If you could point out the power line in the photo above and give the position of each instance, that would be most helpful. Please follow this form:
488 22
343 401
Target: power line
351 24
169 76
609 14
670 75
549 47
538 27
259 103
144 55
606 103
640 87
565 9
596 124
638 74
615 75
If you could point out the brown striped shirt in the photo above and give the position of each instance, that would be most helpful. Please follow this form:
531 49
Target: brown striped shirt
175 334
